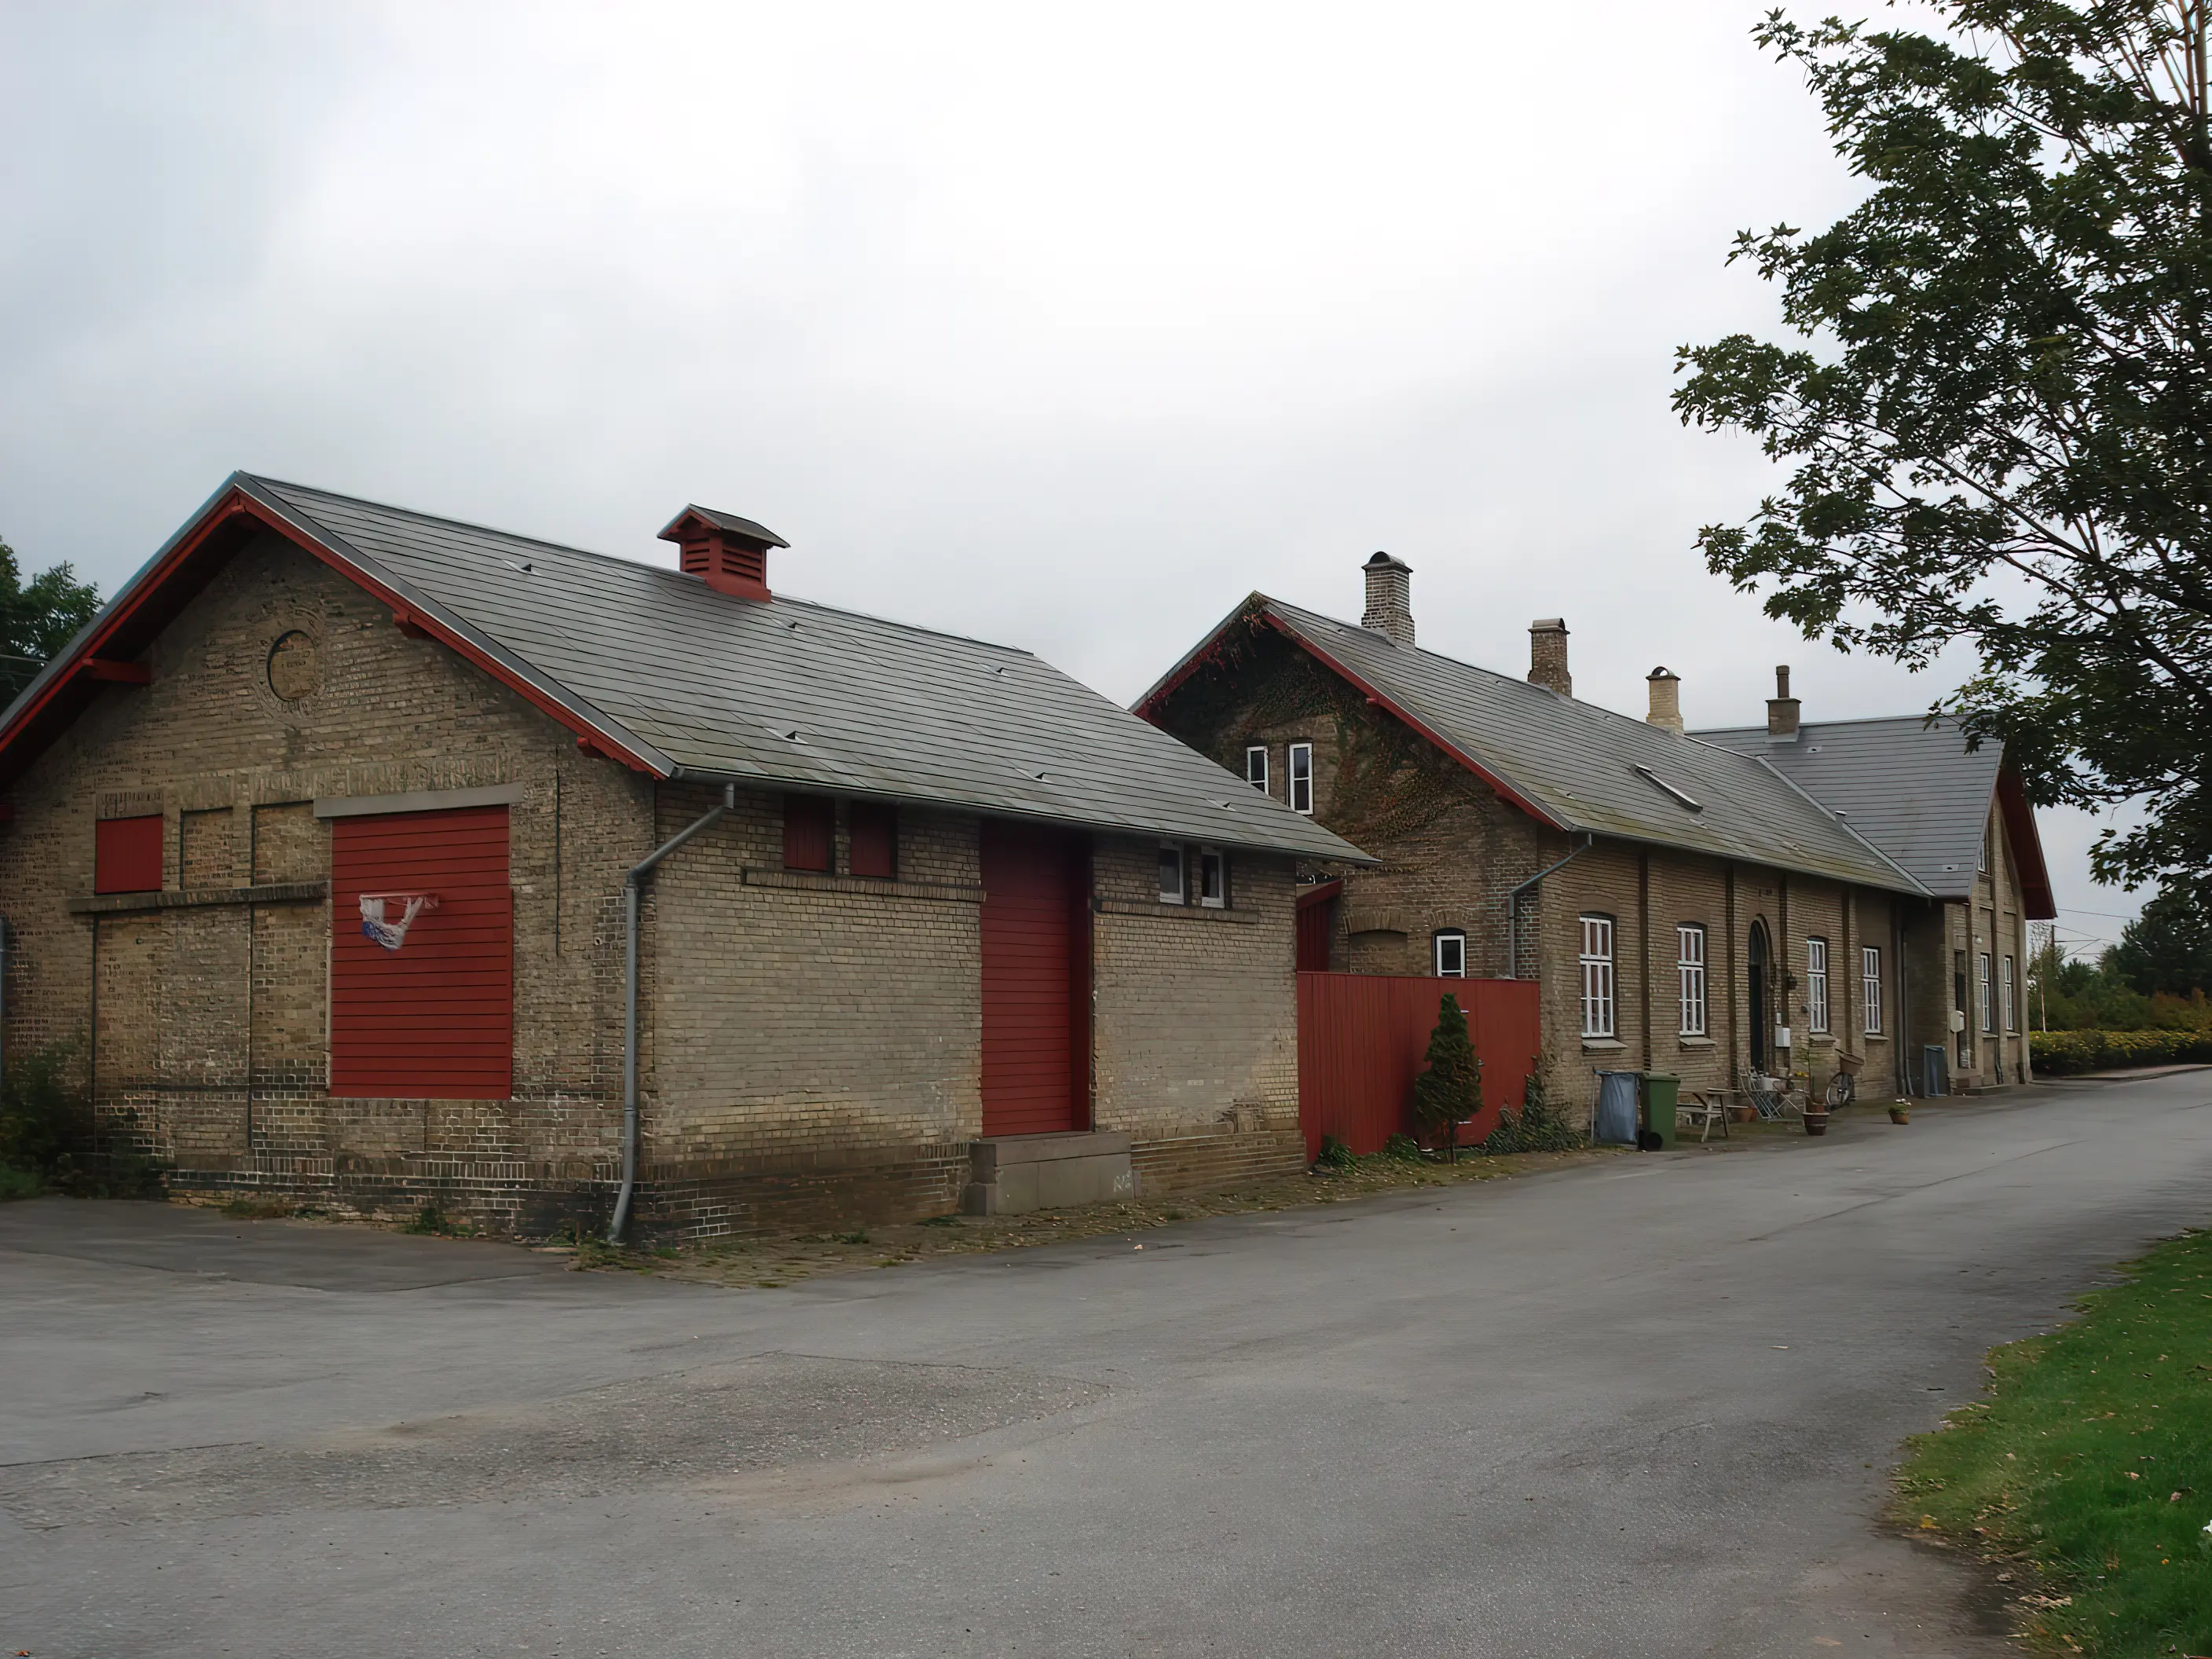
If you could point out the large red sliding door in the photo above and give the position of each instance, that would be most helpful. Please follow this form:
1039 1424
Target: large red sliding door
1036 981
435 1018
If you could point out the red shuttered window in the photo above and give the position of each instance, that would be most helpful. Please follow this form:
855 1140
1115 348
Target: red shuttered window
875 840
435 1018
809 832
126 856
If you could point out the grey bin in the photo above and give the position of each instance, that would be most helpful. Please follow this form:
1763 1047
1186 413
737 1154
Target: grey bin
1614 1122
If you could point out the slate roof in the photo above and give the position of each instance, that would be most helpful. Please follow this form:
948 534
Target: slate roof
1913 789
695 683
1584 767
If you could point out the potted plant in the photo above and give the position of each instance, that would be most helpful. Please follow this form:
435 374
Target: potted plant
1900 1113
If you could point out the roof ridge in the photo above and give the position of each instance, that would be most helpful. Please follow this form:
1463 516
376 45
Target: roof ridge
1630 721
1922 722
619 559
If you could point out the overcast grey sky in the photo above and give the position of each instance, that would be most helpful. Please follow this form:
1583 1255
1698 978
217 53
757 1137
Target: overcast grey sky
1063 326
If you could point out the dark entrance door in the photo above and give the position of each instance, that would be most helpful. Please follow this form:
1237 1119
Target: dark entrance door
1762 1013
1036 981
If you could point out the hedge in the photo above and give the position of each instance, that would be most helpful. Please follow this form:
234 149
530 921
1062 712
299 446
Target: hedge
2065 1053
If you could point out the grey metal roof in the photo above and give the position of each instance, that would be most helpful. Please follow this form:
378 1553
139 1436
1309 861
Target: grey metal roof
1914 789
1588 768
702 684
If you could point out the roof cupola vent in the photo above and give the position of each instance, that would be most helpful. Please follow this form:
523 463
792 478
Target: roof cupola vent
1782 708
1547 655
729 552
1666 698
1389 599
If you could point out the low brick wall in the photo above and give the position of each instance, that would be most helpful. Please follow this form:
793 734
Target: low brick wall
1211 1163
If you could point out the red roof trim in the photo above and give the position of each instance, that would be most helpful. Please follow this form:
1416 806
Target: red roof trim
228 510
2026 845
1320 893
1506 790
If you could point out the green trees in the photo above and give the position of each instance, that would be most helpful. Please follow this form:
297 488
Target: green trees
37 619
1997 412
1449 1091
2168 948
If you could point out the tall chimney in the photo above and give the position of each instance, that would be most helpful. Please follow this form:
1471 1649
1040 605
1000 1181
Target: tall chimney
1782 708
1666 698
730 552
1547 655
1389 599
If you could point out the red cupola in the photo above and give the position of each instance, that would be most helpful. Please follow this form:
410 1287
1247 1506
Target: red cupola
730 552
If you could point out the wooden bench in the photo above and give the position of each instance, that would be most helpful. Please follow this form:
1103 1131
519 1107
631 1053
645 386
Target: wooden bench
1694 1106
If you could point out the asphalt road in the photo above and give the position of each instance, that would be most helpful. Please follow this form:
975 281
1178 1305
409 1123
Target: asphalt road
1645 1406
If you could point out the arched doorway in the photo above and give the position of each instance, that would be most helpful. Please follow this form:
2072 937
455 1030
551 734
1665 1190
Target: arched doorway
1762 1010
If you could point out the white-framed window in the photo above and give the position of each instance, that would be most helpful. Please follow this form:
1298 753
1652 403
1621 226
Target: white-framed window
2009 988
1689 975
1989 1008
1870 989
1170 874
1597 976
1302 777
1212 878
1451 954
1255 766
1816 984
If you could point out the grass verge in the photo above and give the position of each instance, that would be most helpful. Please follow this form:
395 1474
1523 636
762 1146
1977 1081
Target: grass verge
772 1260
2087 1470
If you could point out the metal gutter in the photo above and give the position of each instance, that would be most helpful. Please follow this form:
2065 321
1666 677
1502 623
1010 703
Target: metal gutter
633 885
1513 904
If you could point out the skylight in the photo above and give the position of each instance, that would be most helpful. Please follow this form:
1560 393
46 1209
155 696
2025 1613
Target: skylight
1680 797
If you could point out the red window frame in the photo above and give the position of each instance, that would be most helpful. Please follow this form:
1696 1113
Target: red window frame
126 855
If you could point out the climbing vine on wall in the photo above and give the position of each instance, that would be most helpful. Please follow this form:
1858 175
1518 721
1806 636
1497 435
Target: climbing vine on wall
1388 781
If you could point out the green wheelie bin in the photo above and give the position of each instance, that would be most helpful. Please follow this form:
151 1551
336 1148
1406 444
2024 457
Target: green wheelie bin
1659 1090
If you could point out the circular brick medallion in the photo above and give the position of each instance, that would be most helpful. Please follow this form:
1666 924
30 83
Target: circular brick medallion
295 666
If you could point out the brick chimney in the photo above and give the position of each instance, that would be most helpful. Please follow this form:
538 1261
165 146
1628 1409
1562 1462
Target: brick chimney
1547 655
730 552
1389 599
1666 698
1782 708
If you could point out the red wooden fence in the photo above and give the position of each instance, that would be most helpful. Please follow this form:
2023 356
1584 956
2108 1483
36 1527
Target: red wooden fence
1363 1038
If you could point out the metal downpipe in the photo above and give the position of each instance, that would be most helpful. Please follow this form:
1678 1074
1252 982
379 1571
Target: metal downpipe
632 889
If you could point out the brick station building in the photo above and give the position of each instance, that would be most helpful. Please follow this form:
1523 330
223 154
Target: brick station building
936 919
1687 901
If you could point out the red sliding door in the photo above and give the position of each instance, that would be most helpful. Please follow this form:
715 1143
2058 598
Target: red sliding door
1036 980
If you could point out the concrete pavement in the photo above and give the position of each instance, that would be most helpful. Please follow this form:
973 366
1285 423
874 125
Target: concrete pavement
1646 1406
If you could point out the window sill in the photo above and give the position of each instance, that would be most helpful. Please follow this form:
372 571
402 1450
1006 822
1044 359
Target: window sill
1603 1046
192 898
1694 1042
1112 907
808 881
1874 1037
1821 1039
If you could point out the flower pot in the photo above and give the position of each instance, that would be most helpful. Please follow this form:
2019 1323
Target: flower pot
1901 1115
1743 1113
1816 1123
